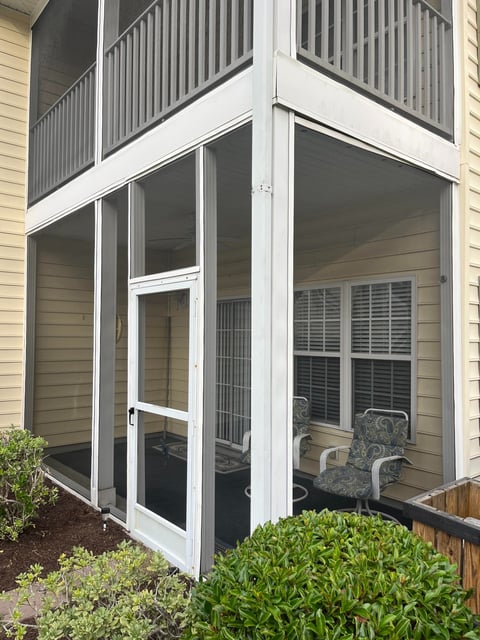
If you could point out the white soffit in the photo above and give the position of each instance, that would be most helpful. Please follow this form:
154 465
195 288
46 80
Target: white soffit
32 8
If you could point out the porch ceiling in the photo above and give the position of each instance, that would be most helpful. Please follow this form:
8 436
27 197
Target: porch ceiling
29 7
330 177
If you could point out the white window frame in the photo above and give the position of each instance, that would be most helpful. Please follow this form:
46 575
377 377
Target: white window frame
347 355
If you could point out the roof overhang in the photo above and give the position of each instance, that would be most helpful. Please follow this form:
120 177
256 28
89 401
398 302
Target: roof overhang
32 8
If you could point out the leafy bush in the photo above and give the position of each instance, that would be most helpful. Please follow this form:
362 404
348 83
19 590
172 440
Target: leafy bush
22 487
125 594
331 575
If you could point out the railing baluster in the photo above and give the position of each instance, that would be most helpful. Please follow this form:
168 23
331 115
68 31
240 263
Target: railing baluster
201 42
173 52
222 36
311 26
128 85
442 115
360 41
150 49
391 47
192 53
165 61
122 90
135 77
371 43
114 116
410 55
435 65
248 26
234 28
325 33
348 44
337 34
427 64
419 58
401 51
182 46
157 64
381 46
212 23
142 81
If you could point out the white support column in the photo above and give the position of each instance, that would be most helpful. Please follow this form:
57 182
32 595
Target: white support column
271 442
206 181
29 332
450 336
103 440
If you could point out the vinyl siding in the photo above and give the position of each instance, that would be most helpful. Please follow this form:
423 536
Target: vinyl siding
64 342
373 244
14 62
470 217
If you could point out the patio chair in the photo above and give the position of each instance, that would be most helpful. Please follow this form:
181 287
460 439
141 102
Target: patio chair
301 441
374 462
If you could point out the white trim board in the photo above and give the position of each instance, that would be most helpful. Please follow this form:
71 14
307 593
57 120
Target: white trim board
328 102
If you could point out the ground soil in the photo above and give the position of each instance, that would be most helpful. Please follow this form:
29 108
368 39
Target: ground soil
59 527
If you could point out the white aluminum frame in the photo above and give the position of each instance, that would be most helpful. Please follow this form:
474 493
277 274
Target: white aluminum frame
179 546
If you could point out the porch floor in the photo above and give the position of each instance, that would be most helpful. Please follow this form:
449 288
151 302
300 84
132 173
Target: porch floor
166 488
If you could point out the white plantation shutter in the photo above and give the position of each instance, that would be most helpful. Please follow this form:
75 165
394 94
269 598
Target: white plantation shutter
317 331
381 345
382 318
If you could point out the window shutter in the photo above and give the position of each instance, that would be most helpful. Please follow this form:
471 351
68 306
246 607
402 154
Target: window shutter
318 379
317 320
382 384
382 318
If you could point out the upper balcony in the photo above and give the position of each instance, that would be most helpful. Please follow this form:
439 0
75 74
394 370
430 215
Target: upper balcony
159 57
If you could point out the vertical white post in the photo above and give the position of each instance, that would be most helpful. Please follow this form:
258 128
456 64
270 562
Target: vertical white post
207 207
29 332
103 437
271 469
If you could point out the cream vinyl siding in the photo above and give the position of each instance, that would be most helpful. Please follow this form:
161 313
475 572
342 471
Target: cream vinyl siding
64 342
14 63
470 211
377 243
381 244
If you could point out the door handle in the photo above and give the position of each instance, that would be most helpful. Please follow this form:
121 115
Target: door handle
131 412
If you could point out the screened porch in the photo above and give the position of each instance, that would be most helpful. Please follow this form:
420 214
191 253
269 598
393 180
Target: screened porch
158 57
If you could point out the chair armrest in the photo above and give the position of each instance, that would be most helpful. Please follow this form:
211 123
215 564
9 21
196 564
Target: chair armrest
246 441
297 441
324 455
376 473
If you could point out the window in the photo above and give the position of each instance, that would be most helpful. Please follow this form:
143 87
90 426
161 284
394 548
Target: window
317 326
353 349
372 367
233 370
381 345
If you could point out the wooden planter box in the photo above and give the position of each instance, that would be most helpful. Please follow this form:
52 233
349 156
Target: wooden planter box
449 518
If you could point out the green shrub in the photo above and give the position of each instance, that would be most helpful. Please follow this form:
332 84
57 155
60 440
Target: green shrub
126 594
331 575
22 487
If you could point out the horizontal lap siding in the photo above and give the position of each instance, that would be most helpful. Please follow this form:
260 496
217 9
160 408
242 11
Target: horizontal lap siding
376 243
380 244
64 342
14 63
470 208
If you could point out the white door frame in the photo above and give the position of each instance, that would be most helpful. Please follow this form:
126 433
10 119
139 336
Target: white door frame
180 547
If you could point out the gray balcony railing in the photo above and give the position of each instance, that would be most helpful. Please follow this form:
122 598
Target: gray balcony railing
174 50
398 50
62 140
